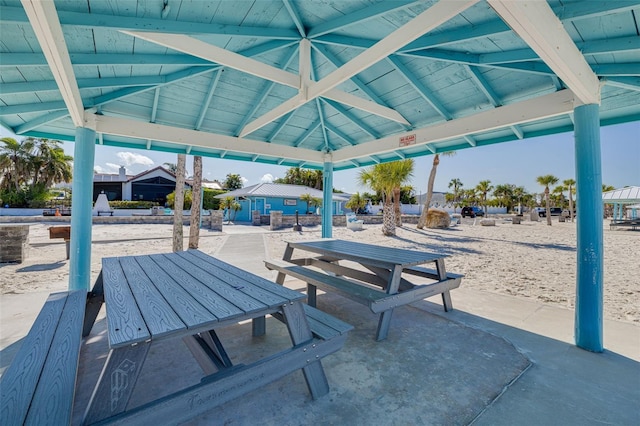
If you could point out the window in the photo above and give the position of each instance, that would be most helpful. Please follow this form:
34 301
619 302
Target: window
290 202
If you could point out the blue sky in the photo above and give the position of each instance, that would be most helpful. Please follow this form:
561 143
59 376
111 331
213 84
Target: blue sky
518 162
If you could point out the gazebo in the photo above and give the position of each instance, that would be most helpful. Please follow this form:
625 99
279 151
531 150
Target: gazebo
628 197
325 85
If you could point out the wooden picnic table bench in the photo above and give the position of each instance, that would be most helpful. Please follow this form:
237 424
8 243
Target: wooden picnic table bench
377 283
634 224
188 296
39 386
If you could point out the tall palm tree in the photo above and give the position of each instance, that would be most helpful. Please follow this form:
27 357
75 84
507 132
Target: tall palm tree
571 187
545 181
50 164
484 187
456 184
356 202
519 193
422 221
385 178
16 159
196 196
178 233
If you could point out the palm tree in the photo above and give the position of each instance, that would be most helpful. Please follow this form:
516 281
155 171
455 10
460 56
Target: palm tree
172 167
504 195
432 178
484 187
16 161
316 202
545 181
196 196
519 193
306 198
456 184
356 202
401 172
231 206
571 187
558 191
178 235
50 164
385 178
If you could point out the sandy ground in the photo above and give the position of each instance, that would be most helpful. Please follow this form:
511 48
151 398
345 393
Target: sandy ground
530 260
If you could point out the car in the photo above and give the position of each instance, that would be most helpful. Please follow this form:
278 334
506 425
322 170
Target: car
555 211
471 211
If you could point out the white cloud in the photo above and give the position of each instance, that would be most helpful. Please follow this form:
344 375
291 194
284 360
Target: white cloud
244 180
98 169
267 178
112 167
129 159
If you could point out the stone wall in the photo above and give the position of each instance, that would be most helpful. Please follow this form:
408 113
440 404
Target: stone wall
15 243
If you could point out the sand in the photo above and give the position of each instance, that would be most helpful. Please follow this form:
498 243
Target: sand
530 260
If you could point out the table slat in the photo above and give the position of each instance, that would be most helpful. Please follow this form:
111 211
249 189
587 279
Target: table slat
229 292
125 323
367 253
220 307
159 316
190 311
290 295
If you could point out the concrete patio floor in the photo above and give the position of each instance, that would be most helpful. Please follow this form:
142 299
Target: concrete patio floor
494 360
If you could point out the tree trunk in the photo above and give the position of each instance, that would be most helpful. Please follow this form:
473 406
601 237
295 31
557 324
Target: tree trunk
388 218
546 196
570 203
178 243
196 200
432 178
396 206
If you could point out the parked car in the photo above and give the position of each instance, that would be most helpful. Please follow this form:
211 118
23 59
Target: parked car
471 211
555 211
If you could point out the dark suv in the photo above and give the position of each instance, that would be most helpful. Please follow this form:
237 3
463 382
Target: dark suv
471 211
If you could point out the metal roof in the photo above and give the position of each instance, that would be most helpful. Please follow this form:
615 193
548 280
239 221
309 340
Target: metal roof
626 195
300 83
278 190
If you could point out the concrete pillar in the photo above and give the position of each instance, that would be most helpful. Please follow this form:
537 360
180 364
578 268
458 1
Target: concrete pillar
15 243
275 220
589 293
215 220
327 200
255 218
81 221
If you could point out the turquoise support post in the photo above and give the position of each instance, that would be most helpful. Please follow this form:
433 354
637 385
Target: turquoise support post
327 200
589 285
81 209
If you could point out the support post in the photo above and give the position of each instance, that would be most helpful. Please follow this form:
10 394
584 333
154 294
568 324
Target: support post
327 200
589 277
81 209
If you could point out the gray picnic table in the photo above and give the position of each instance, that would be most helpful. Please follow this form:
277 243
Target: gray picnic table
188 296
377 276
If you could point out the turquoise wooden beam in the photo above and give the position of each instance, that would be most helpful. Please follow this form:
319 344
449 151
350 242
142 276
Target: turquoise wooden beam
81 209
589 285
327 200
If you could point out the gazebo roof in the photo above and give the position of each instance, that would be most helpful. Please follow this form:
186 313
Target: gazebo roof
626 195
299 83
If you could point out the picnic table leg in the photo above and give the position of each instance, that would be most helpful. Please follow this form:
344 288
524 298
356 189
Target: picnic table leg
95 299
385 317
446 295
116 382
299 330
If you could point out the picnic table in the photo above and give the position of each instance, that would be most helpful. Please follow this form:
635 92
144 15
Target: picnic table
188 296
376 277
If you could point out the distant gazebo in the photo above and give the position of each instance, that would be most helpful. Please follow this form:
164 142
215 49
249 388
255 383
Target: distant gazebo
627 197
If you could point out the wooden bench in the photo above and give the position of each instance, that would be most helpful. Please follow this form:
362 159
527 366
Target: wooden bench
63 232
39 385
109 212
323 326
376 300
